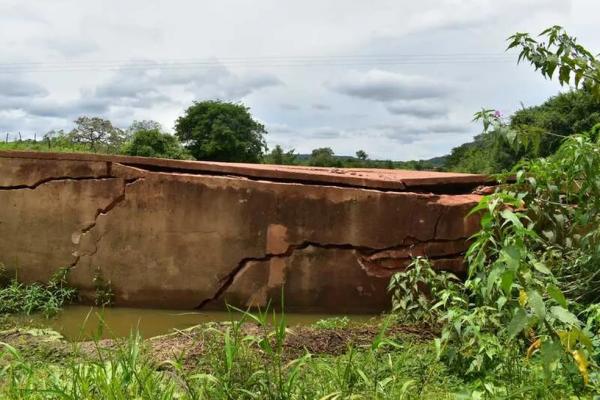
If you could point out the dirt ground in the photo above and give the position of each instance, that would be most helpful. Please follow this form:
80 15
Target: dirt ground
188 346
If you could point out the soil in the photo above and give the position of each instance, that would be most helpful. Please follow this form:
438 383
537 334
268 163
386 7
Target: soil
189 346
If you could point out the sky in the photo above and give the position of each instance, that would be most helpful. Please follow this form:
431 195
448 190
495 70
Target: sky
398 79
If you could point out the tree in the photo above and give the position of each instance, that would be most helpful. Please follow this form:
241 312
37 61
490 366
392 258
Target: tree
149 141
144 125
220 131
544 125
361 155
97 132
324 157
278 156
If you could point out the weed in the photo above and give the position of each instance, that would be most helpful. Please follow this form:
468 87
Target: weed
417 290
332 323
103 295
19 298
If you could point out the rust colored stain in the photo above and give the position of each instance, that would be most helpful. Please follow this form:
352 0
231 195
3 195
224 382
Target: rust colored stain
277 239
189 234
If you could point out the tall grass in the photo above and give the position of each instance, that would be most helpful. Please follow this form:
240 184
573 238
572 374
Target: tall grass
237 372
48 298
242 363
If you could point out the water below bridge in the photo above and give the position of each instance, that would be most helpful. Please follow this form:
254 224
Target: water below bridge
83 322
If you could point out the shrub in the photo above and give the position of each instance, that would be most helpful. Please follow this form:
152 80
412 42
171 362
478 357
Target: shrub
18 298
154 143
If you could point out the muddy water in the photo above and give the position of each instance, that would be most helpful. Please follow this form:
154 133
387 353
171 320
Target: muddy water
84 323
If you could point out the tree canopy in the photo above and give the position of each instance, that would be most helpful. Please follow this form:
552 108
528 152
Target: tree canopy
221 131
278 156
324 157
544 125
148 140
97 133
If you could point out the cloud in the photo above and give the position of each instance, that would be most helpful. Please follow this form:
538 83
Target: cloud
325 132
69 46
19 13
14 86
411 131
146 86
321 107
275 128
69 109
388 86
418 108
215 82
289 107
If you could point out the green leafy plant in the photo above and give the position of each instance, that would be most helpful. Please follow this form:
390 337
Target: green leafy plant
559 53
332 323
534 259
20 298
149 140
103 293
416 292
532 267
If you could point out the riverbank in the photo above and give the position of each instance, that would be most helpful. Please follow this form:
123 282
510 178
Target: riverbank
236 360
252 359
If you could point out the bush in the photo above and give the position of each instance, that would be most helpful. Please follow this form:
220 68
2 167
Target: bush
154 143
18 298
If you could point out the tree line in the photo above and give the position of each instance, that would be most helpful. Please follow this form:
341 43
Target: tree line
221 131
208 130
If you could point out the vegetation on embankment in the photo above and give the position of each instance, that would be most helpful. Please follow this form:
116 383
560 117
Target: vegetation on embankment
47 298
252 360
545 126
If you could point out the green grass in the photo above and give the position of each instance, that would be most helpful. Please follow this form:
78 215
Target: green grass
39 145
48 298
239 363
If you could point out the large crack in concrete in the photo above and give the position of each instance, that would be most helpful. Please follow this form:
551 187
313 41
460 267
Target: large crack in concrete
363 253
57 179
103 211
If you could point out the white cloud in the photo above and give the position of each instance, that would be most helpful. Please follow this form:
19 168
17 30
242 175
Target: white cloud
419 109
386 86
270 55
15 86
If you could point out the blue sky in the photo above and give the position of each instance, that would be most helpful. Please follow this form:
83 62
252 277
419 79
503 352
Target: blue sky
398 79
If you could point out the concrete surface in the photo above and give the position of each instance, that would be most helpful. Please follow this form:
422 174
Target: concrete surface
187 234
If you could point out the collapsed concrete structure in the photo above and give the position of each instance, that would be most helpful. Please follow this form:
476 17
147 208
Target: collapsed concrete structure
186 234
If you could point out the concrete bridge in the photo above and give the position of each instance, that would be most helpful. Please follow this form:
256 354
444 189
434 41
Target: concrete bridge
185 234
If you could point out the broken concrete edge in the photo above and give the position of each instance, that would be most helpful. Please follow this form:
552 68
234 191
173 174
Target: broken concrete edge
380 179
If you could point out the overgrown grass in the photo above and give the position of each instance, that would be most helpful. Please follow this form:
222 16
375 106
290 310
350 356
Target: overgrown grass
241 363
43 145
48 298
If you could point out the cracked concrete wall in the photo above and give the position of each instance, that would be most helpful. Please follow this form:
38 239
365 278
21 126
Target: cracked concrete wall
190 240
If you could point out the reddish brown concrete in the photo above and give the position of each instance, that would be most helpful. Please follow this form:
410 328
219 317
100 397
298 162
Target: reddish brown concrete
198 234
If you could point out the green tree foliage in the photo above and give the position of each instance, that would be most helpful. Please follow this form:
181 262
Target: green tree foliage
144 125
543 126
280 157
324 157
148 140
532 281
362 155
98 134
562 54
220 131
